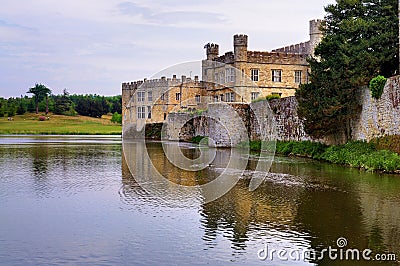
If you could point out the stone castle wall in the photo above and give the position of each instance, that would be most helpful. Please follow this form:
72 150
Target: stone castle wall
300 48
377 118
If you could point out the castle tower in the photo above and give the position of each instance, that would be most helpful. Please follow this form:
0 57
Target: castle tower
240 47
212 51
315 34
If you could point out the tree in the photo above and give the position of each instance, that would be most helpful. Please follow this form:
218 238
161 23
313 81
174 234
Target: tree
11 108
21 107
39 92
360 42
63 103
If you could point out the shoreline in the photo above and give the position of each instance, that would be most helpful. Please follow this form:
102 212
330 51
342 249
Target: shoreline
356 154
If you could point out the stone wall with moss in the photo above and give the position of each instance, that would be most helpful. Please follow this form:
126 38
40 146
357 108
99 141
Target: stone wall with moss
377 118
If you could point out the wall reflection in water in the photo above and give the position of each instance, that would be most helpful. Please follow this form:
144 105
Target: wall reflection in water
302 203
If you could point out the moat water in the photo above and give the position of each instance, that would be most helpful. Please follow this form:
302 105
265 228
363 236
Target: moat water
74 201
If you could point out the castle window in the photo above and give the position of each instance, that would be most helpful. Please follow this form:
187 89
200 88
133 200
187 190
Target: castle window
150 96
230 96
198 99
254 75
141 112
297 76
277 75
230 75
178 96
141 96
162 97
222 97
149 112
222 77
254 95
216 98
216 76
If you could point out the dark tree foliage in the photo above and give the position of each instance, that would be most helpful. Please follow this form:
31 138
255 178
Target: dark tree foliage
22 108
62 103
115 104
360 42
91 105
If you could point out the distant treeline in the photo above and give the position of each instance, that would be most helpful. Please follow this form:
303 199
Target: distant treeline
88 105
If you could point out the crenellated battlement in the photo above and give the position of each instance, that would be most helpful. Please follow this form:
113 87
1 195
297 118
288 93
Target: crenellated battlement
300 48
162 82
315 26
227 58
212 50
240 40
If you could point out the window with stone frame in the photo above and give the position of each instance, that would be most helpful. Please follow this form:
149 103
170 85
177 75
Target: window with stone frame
141 112
255 74
255 95
277 75
297 76
230 74
141 96
149 112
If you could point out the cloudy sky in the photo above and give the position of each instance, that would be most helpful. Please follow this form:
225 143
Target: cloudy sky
92 46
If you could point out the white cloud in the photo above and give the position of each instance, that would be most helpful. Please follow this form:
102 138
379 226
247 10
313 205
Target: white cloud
101 43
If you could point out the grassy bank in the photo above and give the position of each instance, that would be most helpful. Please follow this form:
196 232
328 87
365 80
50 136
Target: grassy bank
59 125
355 154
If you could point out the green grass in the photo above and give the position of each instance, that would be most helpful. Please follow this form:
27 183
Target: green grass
59 125
356 154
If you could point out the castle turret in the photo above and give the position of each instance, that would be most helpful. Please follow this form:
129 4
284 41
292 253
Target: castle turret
315 34
212 50
240 47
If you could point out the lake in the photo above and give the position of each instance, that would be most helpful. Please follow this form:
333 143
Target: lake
94 200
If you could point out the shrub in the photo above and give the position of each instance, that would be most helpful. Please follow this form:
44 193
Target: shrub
301 148
376 85
391 143
272 97
267 98
116 118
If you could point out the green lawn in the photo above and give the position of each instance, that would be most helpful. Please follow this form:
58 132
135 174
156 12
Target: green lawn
59 125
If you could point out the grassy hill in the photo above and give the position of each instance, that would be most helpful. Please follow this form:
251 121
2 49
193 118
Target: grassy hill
59 125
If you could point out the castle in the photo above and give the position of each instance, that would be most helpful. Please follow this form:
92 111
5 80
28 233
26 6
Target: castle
238 76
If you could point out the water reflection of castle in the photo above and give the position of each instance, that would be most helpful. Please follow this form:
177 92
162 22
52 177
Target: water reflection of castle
316 204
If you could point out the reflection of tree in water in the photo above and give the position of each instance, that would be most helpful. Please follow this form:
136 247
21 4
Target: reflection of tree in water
40 155
375 240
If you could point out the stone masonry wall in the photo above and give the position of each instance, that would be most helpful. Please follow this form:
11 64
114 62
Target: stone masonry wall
379 117
288 124
230 123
